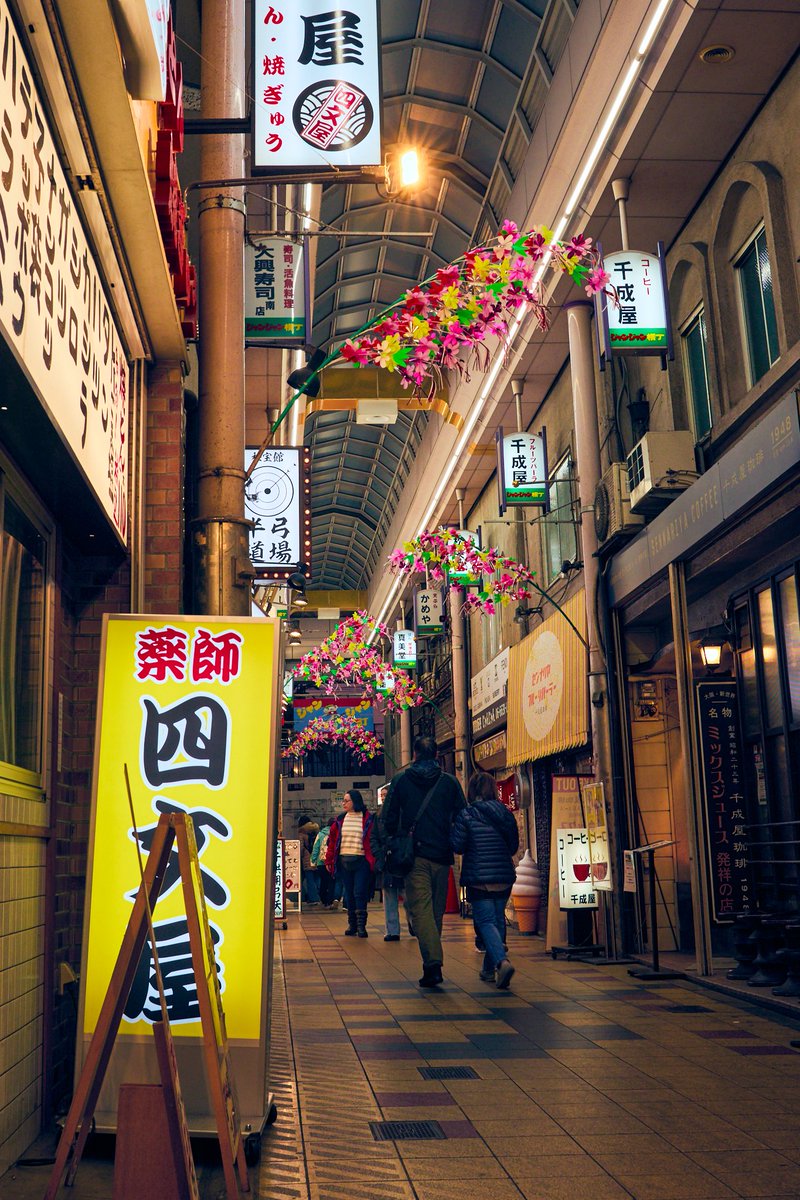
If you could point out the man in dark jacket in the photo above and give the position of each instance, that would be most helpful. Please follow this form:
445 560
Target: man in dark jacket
426 883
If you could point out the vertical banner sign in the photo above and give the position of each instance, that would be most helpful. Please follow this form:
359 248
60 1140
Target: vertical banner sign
639 323
428 617
522 470
575 888
318 95
280 893
291 865
721 772
277 499
566 813
275 292
462 575
490 695
53 309
189 705
594 810
405 649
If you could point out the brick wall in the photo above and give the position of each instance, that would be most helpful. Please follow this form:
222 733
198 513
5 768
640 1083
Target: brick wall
86 589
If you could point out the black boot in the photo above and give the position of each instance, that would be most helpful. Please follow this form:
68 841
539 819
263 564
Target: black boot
431 976
351 923
361 923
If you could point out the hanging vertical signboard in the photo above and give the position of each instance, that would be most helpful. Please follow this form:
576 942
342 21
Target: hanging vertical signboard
276 292
461 574
723 792
405 649
318 86
428 615
522 470
277 499
594 811
190 706
639 323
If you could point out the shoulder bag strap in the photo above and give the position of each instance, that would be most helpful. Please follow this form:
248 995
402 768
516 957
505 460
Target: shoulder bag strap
424 805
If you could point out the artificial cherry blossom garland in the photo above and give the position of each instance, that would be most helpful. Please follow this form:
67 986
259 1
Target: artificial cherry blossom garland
471 299
335 728
346 659
442 553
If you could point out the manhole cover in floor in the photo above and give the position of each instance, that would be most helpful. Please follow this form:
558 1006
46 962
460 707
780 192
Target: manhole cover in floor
448 1073
405 1131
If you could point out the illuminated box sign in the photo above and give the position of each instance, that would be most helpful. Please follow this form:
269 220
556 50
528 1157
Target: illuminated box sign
276 292
428 618
490 695
461 574
639 323
575 889
54 314
594 808
277 499
405 649
312 708
189 706
522 470
318 95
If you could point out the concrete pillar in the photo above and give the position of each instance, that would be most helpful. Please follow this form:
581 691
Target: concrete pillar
222 569
460 683
587 454
695 822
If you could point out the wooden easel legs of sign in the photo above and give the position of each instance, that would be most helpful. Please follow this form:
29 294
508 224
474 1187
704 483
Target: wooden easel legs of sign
173 829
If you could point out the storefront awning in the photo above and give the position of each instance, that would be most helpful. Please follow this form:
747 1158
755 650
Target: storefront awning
548 702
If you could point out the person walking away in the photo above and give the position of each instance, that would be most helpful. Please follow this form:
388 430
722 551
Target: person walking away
486 834
392 887
327 884
307 831
426 799
350 852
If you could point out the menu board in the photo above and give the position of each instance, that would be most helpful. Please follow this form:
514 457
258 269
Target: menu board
721 774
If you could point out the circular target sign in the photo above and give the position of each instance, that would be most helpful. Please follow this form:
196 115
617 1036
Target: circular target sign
269 491
332 115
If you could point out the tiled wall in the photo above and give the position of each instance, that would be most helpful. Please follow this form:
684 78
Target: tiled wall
22 882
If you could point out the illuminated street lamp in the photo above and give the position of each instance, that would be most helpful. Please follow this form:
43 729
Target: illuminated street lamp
711 652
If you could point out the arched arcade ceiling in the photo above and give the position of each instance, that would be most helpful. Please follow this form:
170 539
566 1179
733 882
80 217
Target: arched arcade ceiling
464 80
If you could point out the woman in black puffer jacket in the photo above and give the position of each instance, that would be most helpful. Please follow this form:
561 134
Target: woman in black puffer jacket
486 834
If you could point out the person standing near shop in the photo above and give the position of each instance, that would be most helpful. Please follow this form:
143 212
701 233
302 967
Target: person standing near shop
307 831
350 853
392 887
426 799
486 833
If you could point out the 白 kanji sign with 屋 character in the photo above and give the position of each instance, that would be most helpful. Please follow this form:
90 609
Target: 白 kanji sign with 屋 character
318 97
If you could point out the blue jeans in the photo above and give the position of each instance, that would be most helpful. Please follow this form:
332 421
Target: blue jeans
489 916
391 909
355 874
310 887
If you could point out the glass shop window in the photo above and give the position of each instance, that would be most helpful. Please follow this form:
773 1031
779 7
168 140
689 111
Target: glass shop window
559 532
22 638
695 362
758 306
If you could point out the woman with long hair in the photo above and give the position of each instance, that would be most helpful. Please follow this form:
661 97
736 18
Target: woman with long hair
486 834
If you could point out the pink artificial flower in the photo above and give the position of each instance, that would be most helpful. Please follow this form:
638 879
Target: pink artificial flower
535 245
510 227
354 352
577 246
503 247
596 280
416 301
522 270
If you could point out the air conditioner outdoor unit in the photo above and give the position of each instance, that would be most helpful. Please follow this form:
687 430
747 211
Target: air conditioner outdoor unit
659 466
613 518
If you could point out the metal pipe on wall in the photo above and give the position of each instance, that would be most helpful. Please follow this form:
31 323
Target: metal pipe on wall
221 564
587 454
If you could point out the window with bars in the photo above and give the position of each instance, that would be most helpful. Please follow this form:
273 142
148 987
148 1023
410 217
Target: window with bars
694 341
767 632
754 273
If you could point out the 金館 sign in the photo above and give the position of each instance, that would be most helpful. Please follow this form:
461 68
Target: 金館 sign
275 292
54 314
317 72
189 706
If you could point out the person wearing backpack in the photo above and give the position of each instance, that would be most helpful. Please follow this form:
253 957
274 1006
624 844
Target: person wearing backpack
327 884
422 802
486 834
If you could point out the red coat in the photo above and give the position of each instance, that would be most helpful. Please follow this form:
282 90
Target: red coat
335 840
